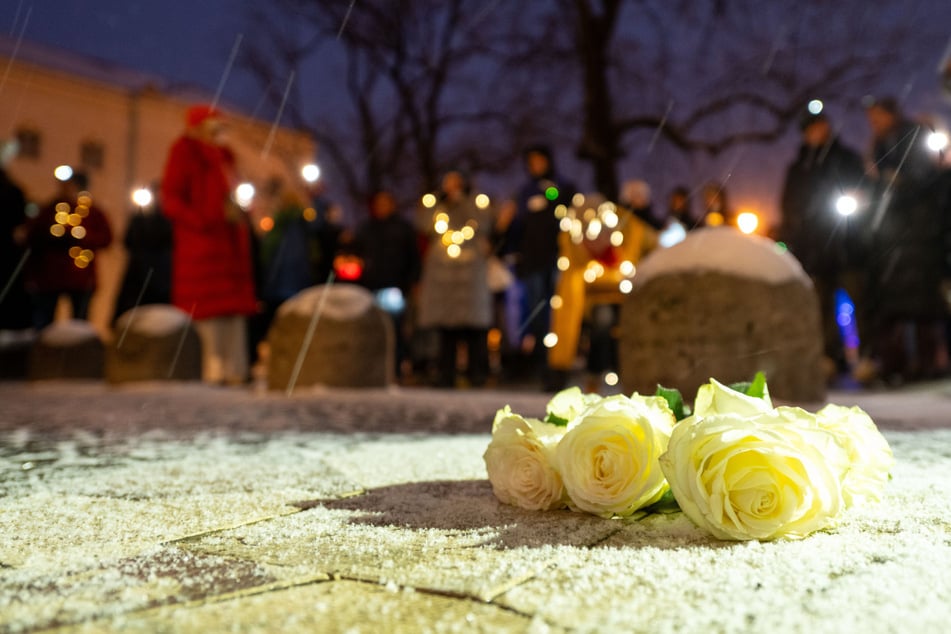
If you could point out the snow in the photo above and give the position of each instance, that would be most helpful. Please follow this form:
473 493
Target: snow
155 320
723 250
68 333
343 302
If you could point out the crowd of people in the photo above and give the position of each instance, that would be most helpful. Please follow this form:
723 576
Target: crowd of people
516 291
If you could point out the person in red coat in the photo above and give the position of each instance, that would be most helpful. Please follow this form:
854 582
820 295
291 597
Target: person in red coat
63 239
212 272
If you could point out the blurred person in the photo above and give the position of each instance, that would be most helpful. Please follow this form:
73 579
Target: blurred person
816 233
531 245
328 231
15 311
212 268
148 274
636 196
906 258
64 238
454 296
387 246
591 284
679 219
716 208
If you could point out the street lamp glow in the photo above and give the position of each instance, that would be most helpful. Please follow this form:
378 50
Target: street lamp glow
63 173
846 205
747 222
815 106
310 173
937 141
142 197
244 194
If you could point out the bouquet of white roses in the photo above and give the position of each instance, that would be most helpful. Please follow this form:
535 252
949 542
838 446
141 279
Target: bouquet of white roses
736 465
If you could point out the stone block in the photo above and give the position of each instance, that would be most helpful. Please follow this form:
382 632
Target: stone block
68 349
154 342
352 344
724 306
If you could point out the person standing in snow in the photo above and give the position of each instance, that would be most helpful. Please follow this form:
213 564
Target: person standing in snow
212 272
64 238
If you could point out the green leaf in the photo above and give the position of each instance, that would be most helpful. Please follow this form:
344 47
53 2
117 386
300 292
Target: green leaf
675 400
755 388
556 420
667 504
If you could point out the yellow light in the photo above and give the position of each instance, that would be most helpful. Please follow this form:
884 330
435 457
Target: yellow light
441 226
626 286
747 222
714 219
561 211
494 339
589 214
310 214
577 200
594 229
62 208
550 340
590 275
457 237
63 172
74 219
611 378
627 268
244 195
429 201
78 232
310 173
454 250
75 251
617 238
482 201
446 239
142 197
563 263
468 232
82 210
62 217
266 223
81 263
565 224
610 218
84 198
58 230
556 302
86 254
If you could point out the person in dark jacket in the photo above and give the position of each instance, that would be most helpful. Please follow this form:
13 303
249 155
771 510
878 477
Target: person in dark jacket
64 238
531 241
821 238
906 262
15 312
148 274
387 246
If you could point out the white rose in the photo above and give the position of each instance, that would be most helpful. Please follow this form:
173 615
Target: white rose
717 398
569 403
774 474
608 458
520 462
870 457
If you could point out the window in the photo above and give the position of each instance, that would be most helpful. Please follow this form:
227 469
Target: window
91 155
28 140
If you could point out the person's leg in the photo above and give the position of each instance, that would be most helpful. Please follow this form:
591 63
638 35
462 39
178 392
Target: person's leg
80 301
44 309
234 350
212 369
448 342
478 344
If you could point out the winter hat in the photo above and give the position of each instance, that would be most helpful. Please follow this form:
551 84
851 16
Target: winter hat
196 115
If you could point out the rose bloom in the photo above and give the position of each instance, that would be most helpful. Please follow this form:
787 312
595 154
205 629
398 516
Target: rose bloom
608 458
870 457
570 402
717 398
774 474
519 461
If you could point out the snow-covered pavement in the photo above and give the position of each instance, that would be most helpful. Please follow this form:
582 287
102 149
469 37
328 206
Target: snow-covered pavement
179 507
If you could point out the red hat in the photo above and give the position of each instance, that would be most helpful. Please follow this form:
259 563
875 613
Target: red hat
197 114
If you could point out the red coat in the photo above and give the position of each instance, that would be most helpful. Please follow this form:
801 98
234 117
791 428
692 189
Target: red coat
212 272
63 252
